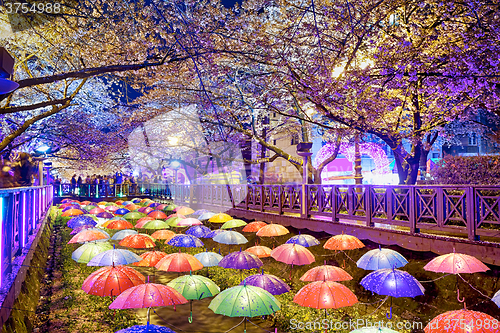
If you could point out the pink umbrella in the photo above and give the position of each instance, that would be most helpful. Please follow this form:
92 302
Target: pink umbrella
292 254
187 222
148 295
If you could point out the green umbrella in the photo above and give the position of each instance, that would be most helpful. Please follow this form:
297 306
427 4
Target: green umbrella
194 287
170 207
133 216
174 220
156 224
89 207
234 223
111 204
244 301
87 251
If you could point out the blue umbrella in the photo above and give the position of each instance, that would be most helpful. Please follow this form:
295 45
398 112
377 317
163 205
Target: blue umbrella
80 220
206 216
199 231
392 282
149 328
208 259
380 259
185 241
114 257
136 201
240 260
230 237
201 212
123 233
215 233
122 211
304 240
496 298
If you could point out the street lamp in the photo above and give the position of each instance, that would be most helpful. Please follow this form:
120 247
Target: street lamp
175 165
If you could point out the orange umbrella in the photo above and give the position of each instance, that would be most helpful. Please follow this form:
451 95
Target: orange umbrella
326 273
108 222
272 230
150 259
462 321
112 280
138 241
260 251
163 234
132 207
220 218
183 210
118 202
143 220
254 226
72 212
85 203
157 215
179 262
87 235
119 225
343 242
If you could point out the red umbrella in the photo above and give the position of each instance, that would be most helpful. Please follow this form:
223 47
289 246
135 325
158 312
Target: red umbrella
260 251
87 236
462 321
455 263
272 230
142 221
326 273
157 215
150 259
325 295
179 262
119 225
343 242
254 226
112 280
293 254
148 295
138 241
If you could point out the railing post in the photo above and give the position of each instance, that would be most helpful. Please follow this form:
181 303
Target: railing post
440 202
368 205
413 211
280 199
304 201
5 238
334 203
470 211
261 197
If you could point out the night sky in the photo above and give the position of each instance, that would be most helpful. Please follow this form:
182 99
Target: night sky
230 3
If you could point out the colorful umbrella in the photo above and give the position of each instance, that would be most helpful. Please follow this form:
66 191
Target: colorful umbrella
72 212
122 211
325 295
149 328
194 287
304 240
150 259
254 226
343 242
215 232
114 257
185 241
199 231
326 273
179 262
148 295
272 230
293 254
260 251
134 216
105 215
79 221
112 280
81 228
208 259
455 263
132 207
88 235
143 220
163 235
188 222
123 233
87 251
170 207
96 211
161 207
206 216
271 283
145 210
496 298
220 218
156 224
234 223
462 321
112 209
240 260
173 220
201 212
119 225
138 241
184 210
380 259
157 214
230 237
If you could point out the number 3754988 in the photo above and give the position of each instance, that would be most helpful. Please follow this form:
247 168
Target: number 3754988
37 7
476 323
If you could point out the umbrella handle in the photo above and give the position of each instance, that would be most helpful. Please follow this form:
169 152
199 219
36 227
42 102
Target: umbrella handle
190 318
389 315
458 296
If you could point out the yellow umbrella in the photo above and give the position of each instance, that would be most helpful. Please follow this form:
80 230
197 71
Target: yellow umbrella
220 218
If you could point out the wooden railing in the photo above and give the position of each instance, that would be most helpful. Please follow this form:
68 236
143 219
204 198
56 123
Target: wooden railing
468 211
21 212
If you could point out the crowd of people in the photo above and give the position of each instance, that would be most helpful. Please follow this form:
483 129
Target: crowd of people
21 172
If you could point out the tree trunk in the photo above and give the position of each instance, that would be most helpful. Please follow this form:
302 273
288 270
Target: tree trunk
358 176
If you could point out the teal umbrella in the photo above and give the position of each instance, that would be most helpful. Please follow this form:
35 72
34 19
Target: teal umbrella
244 301
89 250
194 287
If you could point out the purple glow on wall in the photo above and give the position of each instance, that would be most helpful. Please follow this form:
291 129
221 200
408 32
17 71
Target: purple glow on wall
23 240
1 241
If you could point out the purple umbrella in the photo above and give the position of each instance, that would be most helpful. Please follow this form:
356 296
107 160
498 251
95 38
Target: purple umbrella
80 228
181 240
268 282
80 220
215 233
240 260
199 231
105 215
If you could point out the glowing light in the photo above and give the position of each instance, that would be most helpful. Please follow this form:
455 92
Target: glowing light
1 240
43 148
24 219
175 164
173 140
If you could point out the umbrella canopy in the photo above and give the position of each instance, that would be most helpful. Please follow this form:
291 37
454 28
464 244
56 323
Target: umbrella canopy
230 237
87 251
138 241
157 214
455 263
188 222
496 298
153 204
326 273
96 210
163 234
272 230
114 257
244 301
171 207
105 215
380 259
185 241
132 207
79 221
88 235
201 212
199 231
145 210
268 282
293 254
147 295
161 207
81 228
122 211
234 223
133 216
143 220
254 226
374 329
220 218
194 287
240 260
392 282
179 262
150 259
156 224
215 232
208 259
206 216
259 251
462 321
72 212
325 295
112 280
123 233
112 208
146 329
184 210
173 220
304 240
119 225
343 242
